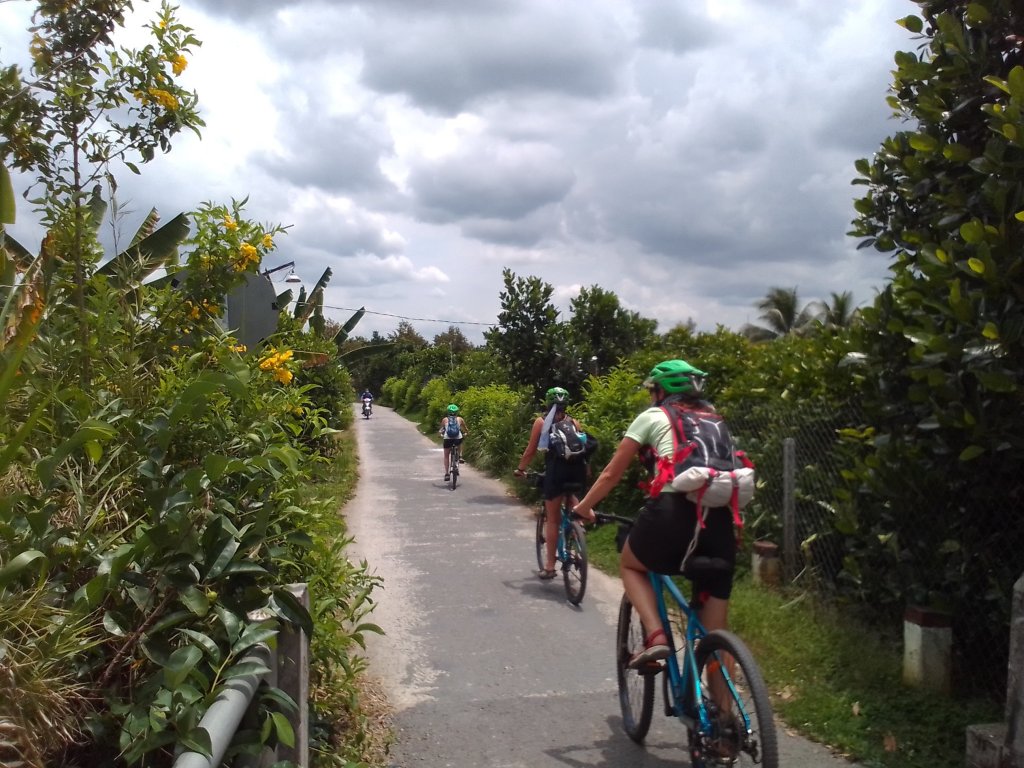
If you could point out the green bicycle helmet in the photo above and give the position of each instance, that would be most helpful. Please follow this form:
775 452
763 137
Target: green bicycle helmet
453 408
556 395
676 377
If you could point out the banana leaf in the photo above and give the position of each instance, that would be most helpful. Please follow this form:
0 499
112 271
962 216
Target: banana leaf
361 353
316 296
148 254
346 329
6 198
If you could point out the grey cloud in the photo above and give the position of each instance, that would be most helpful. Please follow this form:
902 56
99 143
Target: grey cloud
445 64
669 25
337 153
508 182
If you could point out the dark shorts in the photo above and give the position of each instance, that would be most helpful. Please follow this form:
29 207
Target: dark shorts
559 474
663 531
450 441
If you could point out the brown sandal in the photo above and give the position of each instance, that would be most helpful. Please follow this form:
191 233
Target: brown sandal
546 574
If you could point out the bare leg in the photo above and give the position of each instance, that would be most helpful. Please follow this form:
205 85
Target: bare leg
714 614
553 507
447 458
637 585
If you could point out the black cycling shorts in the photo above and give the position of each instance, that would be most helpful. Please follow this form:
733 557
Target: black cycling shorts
558 474
662 533
450 441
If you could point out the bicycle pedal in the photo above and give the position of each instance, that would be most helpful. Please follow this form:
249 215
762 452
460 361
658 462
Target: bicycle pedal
650 668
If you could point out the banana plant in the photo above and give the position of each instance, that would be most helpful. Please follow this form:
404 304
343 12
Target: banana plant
306 305
150 249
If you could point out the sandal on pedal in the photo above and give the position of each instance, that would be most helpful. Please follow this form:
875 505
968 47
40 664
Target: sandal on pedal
546 574
654 650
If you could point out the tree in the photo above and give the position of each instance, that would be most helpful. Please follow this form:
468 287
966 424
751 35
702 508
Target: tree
602 332
840 312
528 334
453 340
944 341
782 316
88 106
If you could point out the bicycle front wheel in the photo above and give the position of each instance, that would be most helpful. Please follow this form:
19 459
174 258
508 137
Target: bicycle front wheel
636 691
736 697
574 567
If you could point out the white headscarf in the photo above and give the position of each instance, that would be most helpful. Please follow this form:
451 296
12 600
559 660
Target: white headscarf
545 433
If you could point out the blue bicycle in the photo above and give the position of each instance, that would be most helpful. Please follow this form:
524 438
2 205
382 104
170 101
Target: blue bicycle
571 548
710 681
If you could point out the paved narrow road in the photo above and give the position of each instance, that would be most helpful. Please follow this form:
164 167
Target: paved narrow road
483 664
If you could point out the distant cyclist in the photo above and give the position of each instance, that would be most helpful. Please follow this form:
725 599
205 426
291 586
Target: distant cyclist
561 466
453 431
666 531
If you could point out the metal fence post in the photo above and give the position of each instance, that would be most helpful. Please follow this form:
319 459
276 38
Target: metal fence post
789 552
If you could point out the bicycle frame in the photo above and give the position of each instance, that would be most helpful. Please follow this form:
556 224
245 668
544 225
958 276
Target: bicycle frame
682 690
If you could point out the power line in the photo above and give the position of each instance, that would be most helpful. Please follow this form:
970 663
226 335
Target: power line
404 317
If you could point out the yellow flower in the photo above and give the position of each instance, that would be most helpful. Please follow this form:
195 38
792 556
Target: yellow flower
229 224
247 254
178 64
283 375
268 241
238 348
166 100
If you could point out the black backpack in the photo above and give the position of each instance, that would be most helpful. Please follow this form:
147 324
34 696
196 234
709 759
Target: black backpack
705 464
566 442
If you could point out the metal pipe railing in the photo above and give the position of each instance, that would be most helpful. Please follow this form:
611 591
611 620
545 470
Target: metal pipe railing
224 715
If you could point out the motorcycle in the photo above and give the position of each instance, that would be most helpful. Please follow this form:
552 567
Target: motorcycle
367 407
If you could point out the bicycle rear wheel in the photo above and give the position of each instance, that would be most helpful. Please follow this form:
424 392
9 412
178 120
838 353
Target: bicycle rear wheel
455 467
636 691
732 739
574 567
542 519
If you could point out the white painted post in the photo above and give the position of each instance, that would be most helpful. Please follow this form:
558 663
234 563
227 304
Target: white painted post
927 650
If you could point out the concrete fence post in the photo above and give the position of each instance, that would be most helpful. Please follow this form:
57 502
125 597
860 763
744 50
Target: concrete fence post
927 650
1001 745
789 550
1015 680
293 679
765 564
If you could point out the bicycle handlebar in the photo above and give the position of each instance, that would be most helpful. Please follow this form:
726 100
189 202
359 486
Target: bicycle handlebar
604 517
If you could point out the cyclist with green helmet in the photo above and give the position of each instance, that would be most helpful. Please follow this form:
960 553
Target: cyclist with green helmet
453 431
558 472
666 530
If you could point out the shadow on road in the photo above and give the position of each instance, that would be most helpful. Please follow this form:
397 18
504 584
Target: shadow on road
618 750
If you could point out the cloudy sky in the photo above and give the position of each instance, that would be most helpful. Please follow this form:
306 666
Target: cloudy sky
686 154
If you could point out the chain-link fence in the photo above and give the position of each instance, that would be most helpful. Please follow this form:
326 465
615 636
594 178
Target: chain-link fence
867 552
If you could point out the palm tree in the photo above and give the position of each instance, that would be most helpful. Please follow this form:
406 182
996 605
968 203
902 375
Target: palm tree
840 312
781 316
